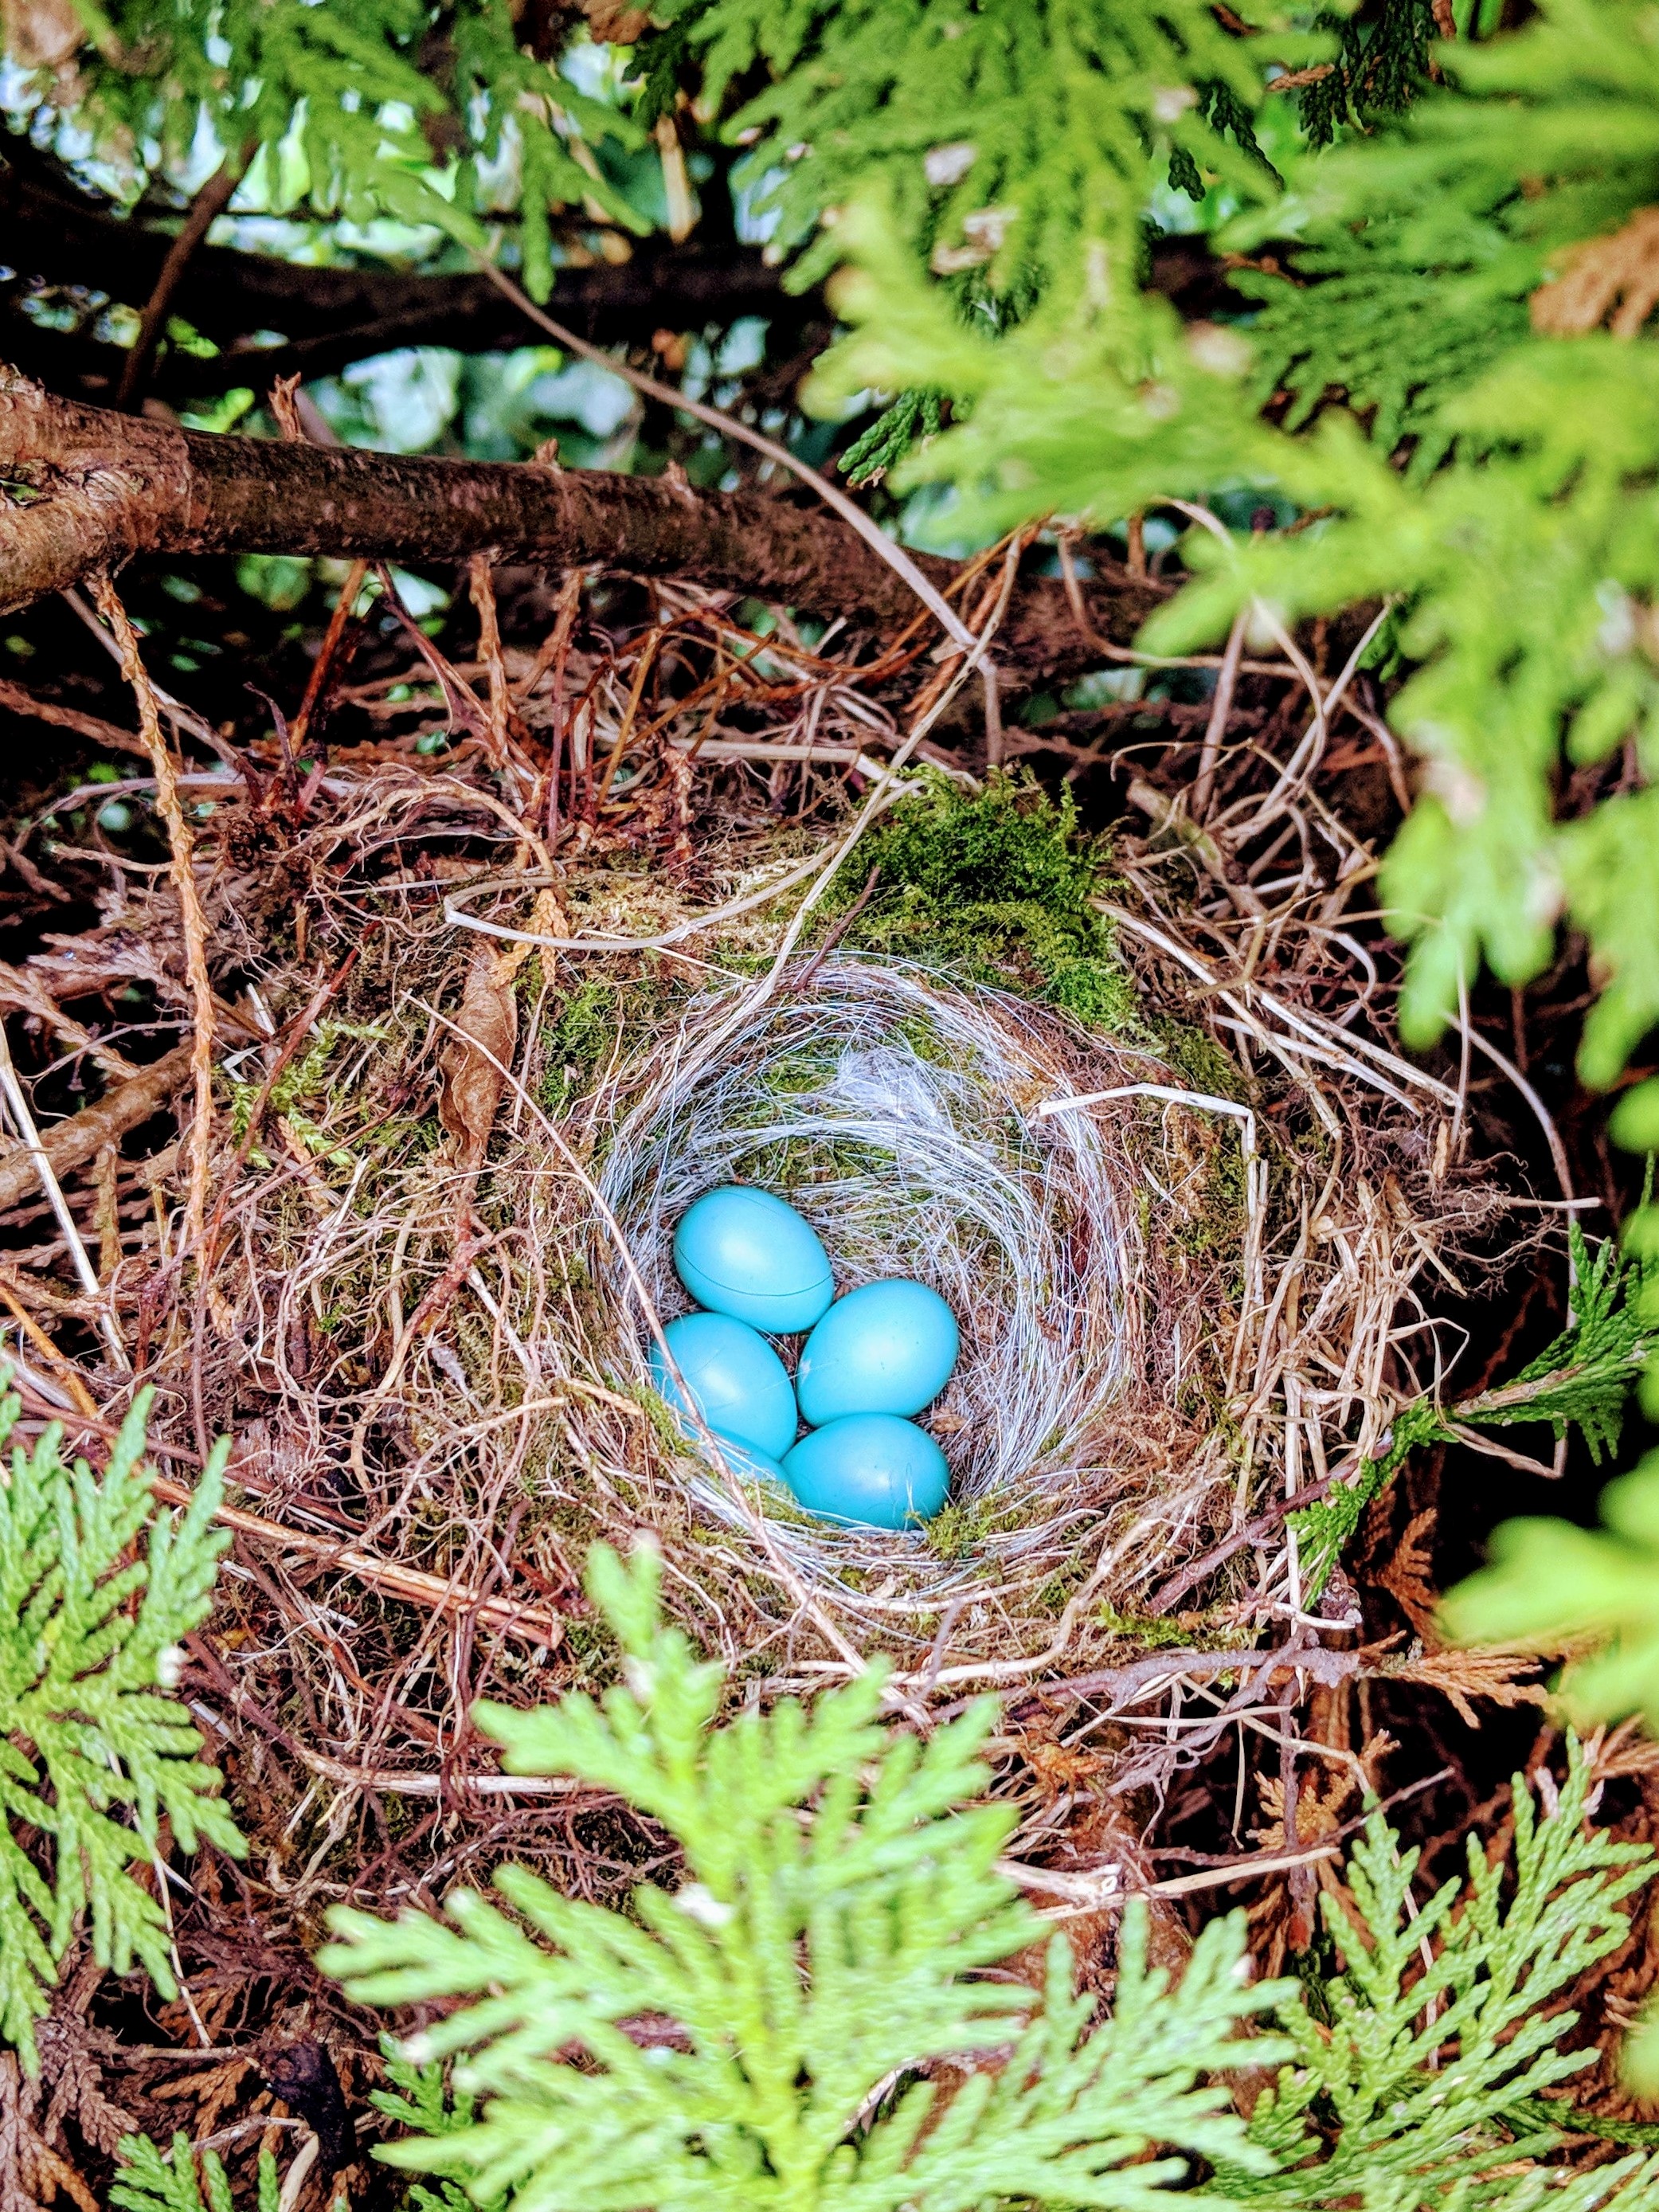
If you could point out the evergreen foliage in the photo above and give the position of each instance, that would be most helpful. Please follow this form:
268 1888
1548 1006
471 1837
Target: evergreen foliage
1527 568
986 171
911 416
1009 135
354 110
1520 546
1552 1583
419 2102
96 1591
1437 229
822 1960
1381 64
152 2180
805 1971
1604 1588
1419 2062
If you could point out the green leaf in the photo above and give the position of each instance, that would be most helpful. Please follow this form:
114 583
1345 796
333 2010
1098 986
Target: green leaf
1439 2031
151 2180
1004 136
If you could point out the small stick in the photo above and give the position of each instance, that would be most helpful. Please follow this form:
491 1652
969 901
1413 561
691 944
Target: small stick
625 727
18 1106
404 1782
113 739
993 738
324 663
481 589
104 1169
557 650
183 717
73 1382
190 905
840 930
82 1136
209 205
1163 1601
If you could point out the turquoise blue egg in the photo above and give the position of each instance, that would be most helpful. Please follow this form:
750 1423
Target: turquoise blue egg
888 1348
735 1379
742 1252
869 1469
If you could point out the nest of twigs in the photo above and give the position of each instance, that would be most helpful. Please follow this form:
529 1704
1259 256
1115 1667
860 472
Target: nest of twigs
1183 1248
1174 1298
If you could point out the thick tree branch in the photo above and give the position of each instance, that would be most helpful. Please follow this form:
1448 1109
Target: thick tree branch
329 317
82 489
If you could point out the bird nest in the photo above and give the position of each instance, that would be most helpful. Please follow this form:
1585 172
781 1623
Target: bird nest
1179 1268
1181 1218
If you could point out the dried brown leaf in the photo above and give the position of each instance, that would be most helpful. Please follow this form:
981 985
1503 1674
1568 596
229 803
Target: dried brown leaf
1321 1798
489 1018
1056 1768
1623 1752
31 2173
1619 271
614 22
285 410
488 1014
72 2065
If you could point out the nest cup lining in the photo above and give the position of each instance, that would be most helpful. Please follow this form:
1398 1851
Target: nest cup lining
899 1114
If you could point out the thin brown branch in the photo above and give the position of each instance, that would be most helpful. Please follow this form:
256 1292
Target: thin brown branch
532 1623
71 1143
330 317
209 205
113 739
1257 1531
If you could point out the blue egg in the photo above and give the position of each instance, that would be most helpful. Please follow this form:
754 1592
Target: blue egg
735 1379
888 1348
869 1469
742 1252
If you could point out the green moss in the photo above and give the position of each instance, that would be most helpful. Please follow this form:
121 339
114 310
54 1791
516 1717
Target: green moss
576 1041
958 1528
303 1095
797 1074
1205 1067
1150 1631
995 886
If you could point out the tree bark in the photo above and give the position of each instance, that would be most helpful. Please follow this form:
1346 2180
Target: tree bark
328 317
82 489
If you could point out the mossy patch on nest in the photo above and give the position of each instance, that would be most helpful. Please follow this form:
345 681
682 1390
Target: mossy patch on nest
995 886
